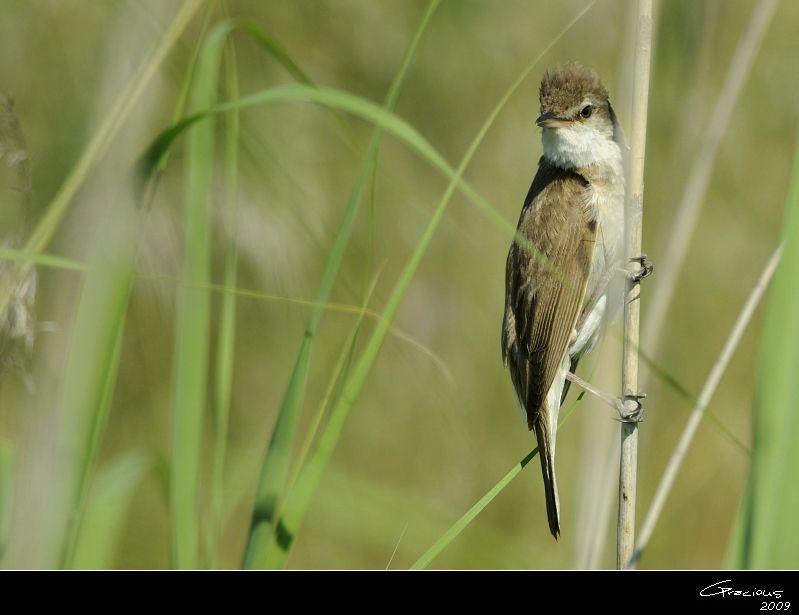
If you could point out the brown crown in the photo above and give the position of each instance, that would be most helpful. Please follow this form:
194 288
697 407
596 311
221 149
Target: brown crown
563 87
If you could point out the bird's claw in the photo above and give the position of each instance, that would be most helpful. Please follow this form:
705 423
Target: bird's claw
630 408
647 267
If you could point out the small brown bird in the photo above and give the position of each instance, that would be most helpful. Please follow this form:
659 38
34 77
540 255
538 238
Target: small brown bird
561 286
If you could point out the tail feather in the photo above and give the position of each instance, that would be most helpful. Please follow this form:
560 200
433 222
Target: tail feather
546 453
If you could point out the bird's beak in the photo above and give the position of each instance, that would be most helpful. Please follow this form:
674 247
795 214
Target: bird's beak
548 120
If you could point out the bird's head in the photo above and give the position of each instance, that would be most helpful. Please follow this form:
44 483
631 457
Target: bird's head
579 124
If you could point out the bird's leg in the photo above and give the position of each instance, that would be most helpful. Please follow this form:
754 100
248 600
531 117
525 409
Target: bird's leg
629 405
647 267
630 408
583 384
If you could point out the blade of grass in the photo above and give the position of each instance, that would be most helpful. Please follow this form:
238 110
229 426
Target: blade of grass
193 313
90 367
102 138
672 383
288 525
124 104
59 262
93 360
276 50
276 463
188 76
454 531
356 105
341 308
38 258
98 428
112 496
227 317
279 53
766 527
370 226
191 361
6 489
333 391
81 408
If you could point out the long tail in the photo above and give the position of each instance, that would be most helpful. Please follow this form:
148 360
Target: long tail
546 453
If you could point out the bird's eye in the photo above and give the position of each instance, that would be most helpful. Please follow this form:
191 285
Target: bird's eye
587 111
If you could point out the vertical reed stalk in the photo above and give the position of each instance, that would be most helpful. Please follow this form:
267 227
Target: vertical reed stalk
633 219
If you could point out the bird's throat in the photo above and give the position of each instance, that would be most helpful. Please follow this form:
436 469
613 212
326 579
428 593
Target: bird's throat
578 147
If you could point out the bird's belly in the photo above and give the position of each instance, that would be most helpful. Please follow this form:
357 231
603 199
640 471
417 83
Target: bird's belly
603 294
585 335
608 211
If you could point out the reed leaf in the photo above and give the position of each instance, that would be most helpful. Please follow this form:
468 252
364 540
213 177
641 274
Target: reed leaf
764 535
276 464
112 494
193 313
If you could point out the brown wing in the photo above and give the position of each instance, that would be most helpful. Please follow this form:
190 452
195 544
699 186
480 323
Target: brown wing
544 292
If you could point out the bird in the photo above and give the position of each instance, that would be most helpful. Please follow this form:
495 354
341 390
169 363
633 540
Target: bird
561 282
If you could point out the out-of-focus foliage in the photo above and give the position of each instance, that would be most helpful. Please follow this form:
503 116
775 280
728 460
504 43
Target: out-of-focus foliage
436 424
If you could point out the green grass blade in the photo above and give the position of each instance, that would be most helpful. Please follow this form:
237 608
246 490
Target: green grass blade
469 516
370 225
765 535
334 387
91 365
112 495
454 531
6 489
276 464
44 260
223 374
662 374
124 104
297 505
193 314
98 429
273 47
126 101
336 99
332 393
188 76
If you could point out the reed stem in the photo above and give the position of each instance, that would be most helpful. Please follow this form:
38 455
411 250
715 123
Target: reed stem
634 214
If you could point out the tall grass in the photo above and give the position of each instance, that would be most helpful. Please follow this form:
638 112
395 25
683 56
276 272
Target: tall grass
225 354
99 455
763 535
193 312
89 372
276 464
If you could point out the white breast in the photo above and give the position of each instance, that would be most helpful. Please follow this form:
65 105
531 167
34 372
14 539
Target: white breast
580 146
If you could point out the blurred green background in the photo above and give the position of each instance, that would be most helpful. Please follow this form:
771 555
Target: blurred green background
436 424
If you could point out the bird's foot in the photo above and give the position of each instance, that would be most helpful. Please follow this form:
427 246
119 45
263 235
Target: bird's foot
630 408
647 267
